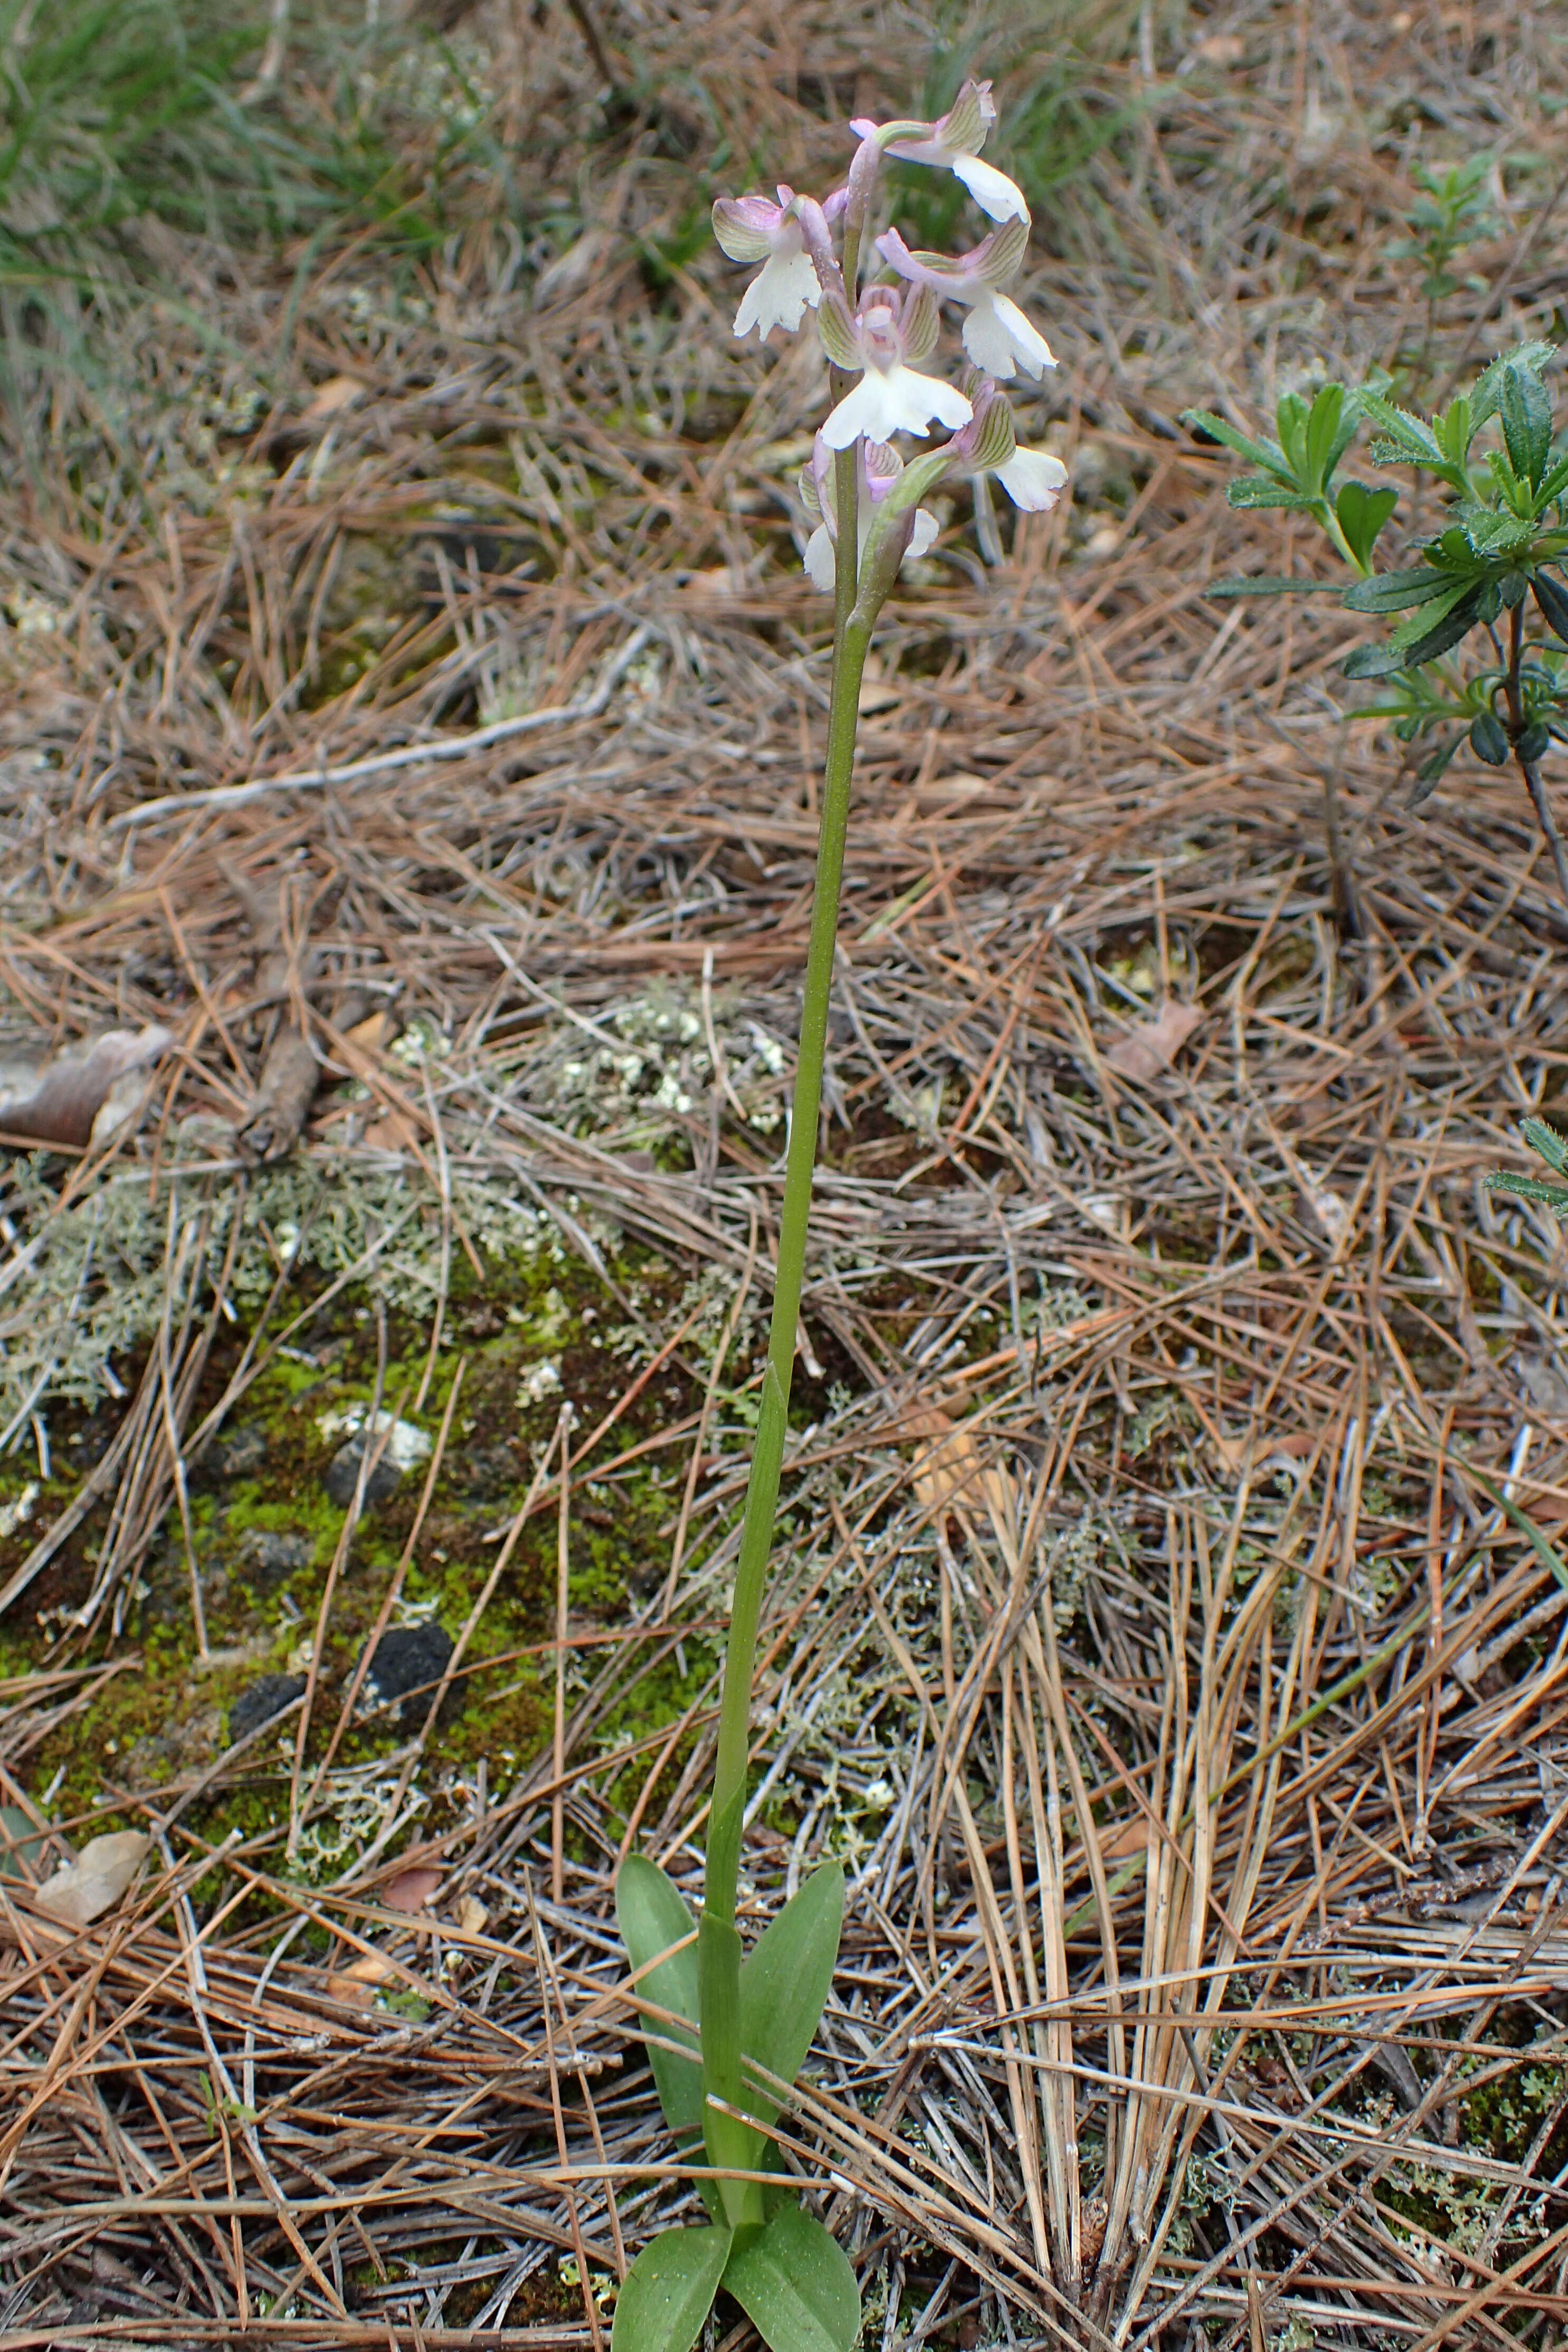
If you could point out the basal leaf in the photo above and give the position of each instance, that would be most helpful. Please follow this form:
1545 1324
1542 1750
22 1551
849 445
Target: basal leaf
652 1914
795 2285
669 2291
785 1981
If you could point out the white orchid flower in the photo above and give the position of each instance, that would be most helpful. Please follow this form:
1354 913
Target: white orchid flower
953 144
890 330
880 467
1032 478
750 228
997 334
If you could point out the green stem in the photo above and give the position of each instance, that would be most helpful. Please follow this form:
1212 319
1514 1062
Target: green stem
851 641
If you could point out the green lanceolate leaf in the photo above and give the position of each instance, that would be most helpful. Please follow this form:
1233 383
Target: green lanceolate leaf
785 1981
1258 491
1390 591
1554 604
1262 453
1270 584
1525 408
1530 1188
795 2286
732 2145
1382 661
1406 440
1488 392
669 2291
1322 446
651 1913
1361 514
1487 740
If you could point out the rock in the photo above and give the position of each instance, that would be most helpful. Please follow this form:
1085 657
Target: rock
269 1556
264 1699
240 1453
412 1658
402 1447
343 1475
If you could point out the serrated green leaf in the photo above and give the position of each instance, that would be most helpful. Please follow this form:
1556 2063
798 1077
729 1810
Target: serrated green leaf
1547 1144
669 2291
652 1914
1553 486
1413 443
1391 592
1488 389
1532 1188
1256 490
795 2285
785 1981
1361 514
1260 453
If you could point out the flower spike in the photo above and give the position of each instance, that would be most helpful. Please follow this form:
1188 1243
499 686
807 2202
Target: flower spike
750 228
954 145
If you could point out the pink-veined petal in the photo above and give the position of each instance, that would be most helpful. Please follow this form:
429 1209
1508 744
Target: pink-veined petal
992 189
1032 478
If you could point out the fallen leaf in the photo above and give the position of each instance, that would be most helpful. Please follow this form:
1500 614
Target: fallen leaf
357 1982
82 1092
953 1469
391 1133
1122 1839
339 392
472 1917
97 1879
1152 1046
410 1890
376 1031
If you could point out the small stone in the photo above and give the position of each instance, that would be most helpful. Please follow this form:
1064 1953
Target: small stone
410 1659
343 1474
240 1453
264 1697
269 1556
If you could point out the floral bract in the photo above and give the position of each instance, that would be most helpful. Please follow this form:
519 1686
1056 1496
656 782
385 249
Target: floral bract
879 308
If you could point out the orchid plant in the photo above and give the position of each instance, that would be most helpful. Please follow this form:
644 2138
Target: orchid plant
728 2034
